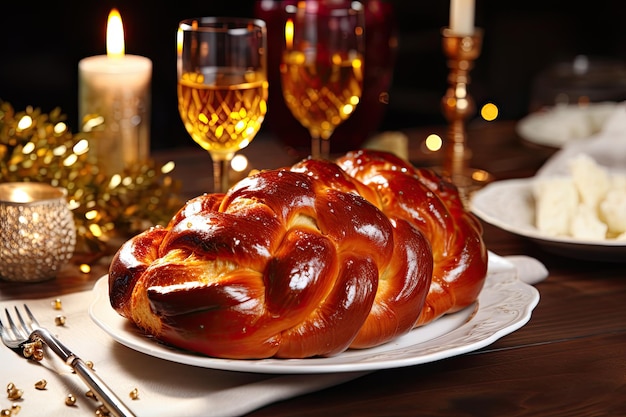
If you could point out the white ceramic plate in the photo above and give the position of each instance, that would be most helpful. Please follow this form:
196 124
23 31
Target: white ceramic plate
509 205
555 126
504 305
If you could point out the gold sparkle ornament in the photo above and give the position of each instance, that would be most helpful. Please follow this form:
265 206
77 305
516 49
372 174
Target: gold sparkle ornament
35 146
70 400
134 394
102 411
33 350
14 393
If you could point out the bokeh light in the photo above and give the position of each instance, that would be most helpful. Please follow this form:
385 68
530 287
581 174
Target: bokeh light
433 142
489 112
239 163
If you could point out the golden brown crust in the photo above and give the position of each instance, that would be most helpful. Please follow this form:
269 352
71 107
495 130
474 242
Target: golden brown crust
432 205
299 262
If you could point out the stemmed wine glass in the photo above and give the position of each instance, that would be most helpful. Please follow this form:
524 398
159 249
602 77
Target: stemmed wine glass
222 86
322 66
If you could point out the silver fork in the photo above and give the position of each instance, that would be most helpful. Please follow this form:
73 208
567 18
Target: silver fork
23 339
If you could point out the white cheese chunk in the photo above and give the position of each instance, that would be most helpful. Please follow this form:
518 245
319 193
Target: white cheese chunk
591 180
590 204
613 211
586 225
556 201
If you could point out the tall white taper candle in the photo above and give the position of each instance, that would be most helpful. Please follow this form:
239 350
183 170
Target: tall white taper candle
462 17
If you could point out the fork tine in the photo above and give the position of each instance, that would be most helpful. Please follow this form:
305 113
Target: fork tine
26 327
31 316
17 331
4 330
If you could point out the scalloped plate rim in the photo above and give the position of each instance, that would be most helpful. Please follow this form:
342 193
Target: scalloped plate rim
504 305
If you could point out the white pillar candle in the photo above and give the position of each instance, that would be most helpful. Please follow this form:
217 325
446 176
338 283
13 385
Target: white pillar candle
462 17
115 89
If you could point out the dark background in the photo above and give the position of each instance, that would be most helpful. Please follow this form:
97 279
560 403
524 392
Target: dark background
41 47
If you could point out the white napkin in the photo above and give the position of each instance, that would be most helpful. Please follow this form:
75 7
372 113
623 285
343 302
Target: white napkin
529 270
607 147
165 388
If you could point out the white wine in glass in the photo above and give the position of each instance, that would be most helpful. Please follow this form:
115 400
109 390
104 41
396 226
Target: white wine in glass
322 67
222 86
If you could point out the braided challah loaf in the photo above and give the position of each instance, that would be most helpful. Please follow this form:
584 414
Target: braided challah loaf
303 261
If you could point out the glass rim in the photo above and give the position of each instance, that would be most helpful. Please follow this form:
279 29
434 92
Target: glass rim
220 23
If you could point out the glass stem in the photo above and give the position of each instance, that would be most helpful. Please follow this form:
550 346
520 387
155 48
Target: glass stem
316 146
320 147
325 149
221 177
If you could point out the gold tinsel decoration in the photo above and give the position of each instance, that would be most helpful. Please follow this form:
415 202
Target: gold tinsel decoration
39 147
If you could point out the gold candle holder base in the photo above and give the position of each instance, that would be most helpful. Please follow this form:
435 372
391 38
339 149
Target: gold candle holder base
457 106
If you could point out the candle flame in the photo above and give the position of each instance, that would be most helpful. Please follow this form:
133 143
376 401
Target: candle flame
289 33
115 35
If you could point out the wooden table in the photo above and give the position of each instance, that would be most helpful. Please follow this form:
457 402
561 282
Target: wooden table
569 360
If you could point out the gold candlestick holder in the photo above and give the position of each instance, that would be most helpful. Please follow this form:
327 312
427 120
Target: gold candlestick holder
457 106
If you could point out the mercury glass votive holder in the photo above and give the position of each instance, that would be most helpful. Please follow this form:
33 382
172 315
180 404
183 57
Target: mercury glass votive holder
38 231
